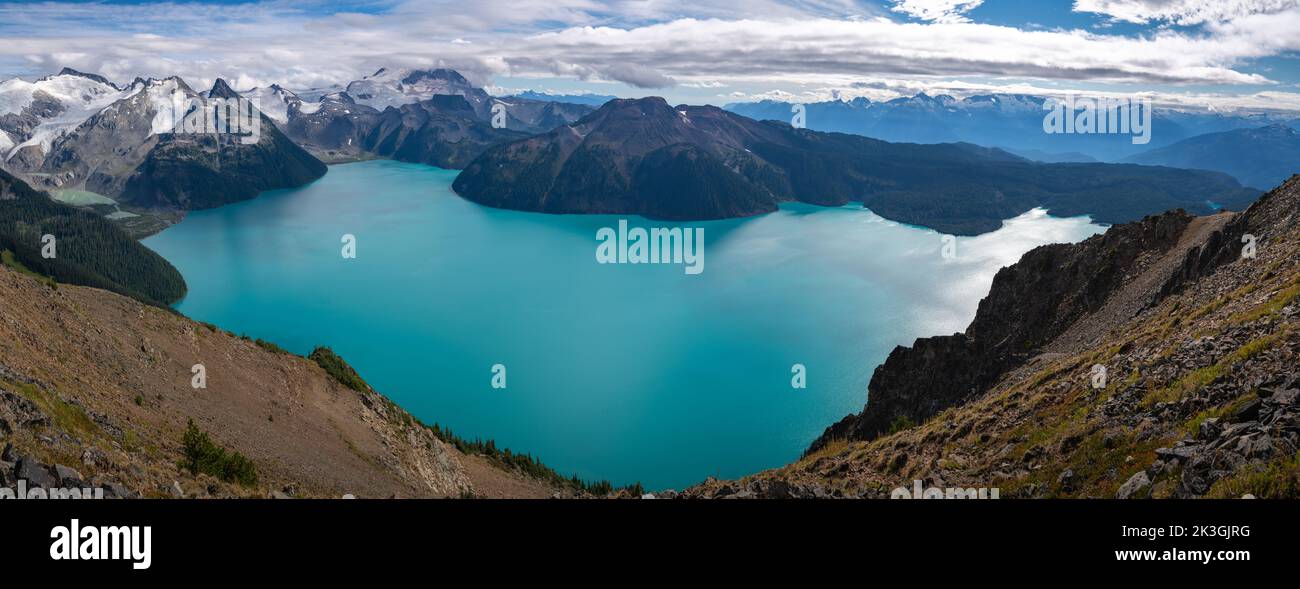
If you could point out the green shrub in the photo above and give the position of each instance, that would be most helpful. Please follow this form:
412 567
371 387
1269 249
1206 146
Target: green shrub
339 369
270 346
201 455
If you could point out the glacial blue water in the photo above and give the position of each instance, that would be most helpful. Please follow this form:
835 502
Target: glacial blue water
620 372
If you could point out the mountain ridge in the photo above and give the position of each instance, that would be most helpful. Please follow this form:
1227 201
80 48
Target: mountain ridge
644 157
1263 156
1011 121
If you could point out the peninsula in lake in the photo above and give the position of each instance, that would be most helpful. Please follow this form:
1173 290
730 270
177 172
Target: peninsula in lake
645 157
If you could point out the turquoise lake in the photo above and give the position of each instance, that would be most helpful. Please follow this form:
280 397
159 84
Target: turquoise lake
620 372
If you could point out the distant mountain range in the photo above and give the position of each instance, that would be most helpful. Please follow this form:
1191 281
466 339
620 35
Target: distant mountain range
645 157
75 131
1010 121
587 99
553 153
434 117
1263 157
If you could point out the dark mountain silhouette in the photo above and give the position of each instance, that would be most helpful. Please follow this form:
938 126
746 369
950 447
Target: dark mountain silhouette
1260 157
647 158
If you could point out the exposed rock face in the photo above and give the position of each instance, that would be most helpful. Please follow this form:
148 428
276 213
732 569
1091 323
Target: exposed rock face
647 158
331 128
441 131
129 151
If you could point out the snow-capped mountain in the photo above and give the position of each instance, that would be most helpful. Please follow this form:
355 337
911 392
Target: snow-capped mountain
35 114
78 131
332 128
82 132
118 136
274 101
395 87
427 116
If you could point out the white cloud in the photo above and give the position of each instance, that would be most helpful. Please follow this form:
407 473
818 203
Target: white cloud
937 10
708 49
878 89
732 45
1182 12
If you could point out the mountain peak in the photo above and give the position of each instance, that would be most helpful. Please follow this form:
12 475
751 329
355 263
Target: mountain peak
67 71
449 75
220 89
647 105
396 87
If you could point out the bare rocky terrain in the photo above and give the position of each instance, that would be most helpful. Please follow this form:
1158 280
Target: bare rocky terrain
96 389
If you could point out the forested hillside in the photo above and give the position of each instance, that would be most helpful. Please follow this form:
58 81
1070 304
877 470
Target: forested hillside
89 250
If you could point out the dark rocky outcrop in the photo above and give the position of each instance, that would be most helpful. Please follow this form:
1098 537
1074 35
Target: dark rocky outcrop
1030 304
331 128
1269 218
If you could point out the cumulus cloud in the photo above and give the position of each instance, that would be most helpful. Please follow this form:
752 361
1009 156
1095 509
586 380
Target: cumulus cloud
1182 12
689 48
937 10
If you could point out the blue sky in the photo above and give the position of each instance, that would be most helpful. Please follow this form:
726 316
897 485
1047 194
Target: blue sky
1191 53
